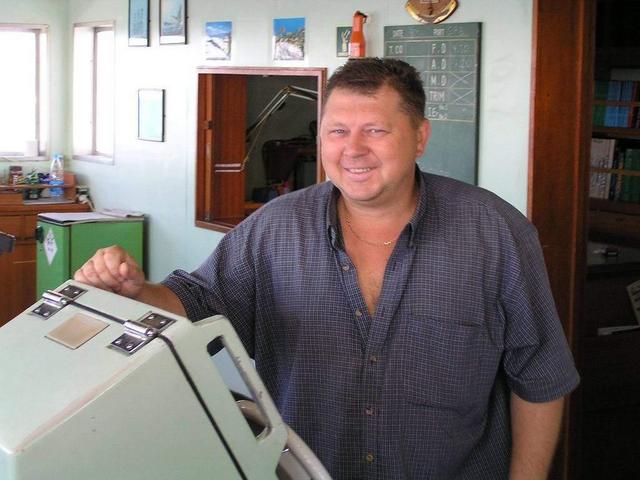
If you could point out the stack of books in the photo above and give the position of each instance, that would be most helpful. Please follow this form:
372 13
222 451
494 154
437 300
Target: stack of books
611 166
612 111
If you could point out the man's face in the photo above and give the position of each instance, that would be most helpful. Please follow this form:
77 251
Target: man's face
370 145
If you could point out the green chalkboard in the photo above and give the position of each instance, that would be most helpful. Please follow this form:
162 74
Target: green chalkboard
447 57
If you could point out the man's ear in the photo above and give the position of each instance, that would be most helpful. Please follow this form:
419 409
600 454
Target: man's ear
424 134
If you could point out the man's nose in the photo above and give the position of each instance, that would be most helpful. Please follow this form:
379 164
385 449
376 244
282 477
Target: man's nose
356 145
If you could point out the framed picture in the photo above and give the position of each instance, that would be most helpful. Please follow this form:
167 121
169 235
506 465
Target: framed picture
288 38
138 23
151 114
343 35
217 44
173 21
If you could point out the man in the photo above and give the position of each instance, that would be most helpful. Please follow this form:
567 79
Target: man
401 321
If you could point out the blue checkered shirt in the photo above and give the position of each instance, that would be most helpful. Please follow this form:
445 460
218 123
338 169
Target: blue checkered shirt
421 389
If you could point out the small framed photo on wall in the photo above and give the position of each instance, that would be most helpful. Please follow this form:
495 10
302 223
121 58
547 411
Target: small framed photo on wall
288 38
151 114
217 45
173 21
138 23
343 35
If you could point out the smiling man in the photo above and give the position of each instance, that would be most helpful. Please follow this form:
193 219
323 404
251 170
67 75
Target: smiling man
402 322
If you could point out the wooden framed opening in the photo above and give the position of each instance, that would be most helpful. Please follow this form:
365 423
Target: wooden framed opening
255 138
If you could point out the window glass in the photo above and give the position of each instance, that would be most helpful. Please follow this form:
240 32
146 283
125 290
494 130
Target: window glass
93 90
104 92
23 89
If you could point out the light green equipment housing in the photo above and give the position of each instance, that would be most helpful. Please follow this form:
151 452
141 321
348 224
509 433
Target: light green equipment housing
99 386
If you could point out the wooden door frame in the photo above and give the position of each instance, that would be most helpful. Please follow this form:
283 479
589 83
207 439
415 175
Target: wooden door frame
560 129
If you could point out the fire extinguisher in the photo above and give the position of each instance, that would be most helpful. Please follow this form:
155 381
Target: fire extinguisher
357 42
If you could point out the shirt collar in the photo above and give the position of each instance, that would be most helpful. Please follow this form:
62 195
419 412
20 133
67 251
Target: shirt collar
333 225
421 208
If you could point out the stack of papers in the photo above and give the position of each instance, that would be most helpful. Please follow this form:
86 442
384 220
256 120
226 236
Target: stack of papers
117 212
87 217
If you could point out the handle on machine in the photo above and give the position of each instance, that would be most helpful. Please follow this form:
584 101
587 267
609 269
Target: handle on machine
245 368
272 439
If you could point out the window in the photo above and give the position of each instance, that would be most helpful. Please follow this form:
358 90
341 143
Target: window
93 91
23 90
252 147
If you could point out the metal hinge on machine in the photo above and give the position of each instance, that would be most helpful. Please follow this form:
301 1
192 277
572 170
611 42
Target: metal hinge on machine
139 333
53 301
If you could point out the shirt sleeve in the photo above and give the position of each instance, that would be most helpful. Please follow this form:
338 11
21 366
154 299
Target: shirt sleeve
537 361
224 284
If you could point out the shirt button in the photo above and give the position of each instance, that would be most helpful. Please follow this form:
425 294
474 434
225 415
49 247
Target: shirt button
369 411
345 268
373 358
358 313
369 458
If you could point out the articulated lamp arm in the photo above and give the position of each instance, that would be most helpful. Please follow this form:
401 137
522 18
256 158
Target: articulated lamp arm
253 131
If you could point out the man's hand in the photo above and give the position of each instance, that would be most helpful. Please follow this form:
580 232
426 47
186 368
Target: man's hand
112 269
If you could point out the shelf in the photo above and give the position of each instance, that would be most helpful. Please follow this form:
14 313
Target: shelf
618 228
34 186
617 171
618 132
13 194
603 205
617 103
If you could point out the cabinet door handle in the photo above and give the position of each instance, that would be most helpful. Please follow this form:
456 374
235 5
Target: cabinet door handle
39 234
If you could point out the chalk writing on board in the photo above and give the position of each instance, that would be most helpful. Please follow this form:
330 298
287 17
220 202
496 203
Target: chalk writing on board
447 57
447 62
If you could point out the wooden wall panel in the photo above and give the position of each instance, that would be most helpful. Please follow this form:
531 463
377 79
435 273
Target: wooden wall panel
558 159
229 145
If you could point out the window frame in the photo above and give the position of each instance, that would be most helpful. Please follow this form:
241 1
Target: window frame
220 196
95 28
42 92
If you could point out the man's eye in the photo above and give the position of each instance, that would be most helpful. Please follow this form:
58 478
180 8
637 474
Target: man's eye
376 131
338 131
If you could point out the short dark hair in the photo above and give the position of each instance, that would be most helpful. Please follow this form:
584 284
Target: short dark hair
367 75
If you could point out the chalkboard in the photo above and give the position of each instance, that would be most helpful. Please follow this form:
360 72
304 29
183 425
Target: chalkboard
447 57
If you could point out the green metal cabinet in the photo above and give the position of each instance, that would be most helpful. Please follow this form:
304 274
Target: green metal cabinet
63 248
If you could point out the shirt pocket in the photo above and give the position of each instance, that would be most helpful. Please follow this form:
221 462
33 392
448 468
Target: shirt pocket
440 362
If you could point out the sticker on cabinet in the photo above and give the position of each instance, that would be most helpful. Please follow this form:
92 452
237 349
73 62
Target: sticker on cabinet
50 246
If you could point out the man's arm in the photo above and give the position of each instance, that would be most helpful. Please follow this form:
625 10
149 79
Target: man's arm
535 428
160 296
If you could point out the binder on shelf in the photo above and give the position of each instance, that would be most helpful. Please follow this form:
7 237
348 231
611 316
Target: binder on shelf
611 111
602 153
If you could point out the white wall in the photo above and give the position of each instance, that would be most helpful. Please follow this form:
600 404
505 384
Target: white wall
158 178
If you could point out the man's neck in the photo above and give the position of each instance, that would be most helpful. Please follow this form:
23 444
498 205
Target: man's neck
401 209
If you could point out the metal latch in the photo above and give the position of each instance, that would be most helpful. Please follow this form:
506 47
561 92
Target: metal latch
139 333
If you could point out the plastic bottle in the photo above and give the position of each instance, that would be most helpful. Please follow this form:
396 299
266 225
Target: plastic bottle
56 176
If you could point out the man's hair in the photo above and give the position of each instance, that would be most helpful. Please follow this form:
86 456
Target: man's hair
367 75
